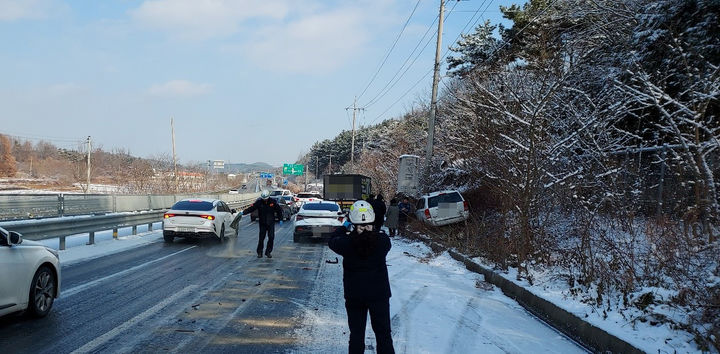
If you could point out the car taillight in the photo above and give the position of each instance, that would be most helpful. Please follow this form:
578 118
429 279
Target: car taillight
209 217
466 205
427 213
295 199
310 199
298 217
166 216
340 218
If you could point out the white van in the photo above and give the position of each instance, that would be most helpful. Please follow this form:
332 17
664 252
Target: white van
442 208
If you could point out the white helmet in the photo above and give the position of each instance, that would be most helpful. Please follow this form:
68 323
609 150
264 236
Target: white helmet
265 194
361 212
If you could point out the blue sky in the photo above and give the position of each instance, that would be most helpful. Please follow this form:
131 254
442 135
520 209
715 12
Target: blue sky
245 81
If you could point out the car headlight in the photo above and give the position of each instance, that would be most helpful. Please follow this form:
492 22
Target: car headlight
54 252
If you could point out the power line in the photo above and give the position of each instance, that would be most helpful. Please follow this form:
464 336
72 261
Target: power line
392 84
391 49
42 138
489 57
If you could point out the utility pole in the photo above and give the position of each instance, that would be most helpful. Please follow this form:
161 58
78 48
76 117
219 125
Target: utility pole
436 79
330 164
317 165
352 145
172 131
87 190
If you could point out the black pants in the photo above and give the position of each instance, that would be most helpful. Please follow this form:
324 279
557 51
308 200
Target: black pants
357 311
270 230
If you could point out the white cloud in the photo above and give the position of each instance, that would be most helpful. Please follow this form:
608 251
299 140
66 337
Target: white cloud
200 19
66 88
11 10
320 42
179 88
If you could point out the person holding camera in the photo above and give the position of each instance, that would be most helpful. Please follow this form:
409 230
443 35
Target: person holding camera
365 277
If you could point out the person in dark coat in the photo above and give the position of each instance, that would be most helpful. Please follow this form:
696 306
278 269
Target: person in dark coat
406 209
267 209
365 278
380 209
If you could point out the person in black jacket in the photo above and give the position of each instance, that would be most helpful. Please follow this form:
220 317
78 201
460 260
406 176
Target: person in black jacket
267 209
380 209
365 278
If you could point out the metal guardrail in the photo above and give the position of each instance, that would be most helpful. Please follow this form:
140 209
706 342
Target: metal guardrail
23 206
66 226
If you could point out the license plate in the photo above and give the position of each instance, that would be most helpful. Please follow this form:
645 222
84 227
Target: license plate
186 229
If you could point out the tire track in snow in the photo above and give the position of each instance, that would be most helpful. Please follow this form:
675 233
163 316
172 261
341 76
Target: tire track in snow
402 317
465 324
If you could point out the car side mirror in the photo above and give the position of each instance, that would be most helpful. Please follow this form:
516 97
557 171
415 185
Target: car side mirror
15 238
233 211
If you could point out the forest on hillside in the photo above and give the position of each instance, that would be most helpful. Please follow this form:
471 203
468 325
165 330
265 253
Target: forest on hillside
44 166
586 137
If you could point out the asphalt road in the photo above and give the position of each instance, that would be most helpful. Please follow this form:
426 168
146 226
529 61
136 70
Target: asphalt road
187 297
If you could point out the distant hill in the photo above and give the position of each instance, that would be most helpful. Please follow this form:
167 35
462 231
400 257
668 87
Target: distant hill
247 167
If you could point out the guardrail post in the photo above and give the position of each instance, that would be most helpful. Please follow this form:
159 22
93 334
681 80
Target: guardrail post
91 238
115 233
61 204
62 243
114 199
150 226
134 229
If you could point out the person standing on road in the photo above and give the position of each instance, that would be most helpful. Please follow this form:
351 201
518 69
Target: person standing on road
365 278
267 209
405 211
379 207
391 217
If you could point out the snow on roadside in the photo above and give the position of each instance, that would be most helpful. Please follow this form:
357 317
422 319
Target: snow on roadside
648 338
438 306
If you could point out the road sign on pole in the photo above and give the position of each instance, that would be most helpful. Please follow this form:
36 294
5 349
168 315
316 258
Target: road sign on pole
293 169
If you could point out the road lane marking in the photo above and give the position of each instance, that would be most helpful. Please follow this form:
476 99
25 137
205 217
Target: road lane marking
79 288
95 343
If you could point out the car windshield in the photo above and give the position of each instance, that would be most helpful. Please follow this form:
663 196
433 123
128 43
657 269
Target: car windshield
288 198
198 205
307 195
276 193
321 206
453 197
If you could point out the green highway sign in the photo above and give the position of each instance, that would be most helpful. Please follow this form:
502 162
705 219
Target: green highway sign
292 169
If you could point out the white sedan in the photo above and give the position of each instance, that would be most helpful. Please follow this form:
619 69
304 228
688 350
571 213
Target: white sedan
317 220
198 218
29 275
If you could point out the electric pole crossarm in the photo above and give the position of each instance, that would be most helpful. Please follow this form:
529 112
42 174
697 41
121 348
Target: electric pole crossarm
354 108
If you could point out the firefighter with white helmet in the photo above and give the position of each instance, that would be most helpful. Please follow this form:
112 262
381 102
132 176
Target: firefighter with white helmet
365 277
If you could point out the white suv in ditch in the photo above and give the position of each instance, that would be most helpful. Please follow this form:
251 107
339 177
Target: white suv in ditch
29 275
442 208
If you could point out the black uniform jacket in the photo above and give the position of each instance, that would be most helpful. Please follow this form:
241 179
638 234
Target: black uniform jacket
267 209
363 278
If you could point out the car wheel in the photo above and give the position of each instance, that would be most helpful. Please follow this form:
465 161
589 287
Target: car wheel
222 234
42 292
296 238
168 237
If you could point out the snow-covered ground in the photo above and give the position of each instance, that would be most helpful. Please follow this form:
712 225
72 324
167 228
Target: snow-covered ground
437 305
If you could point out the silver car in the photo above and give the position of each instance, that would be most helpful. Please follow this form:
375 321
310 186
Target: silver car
198 218
29 275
